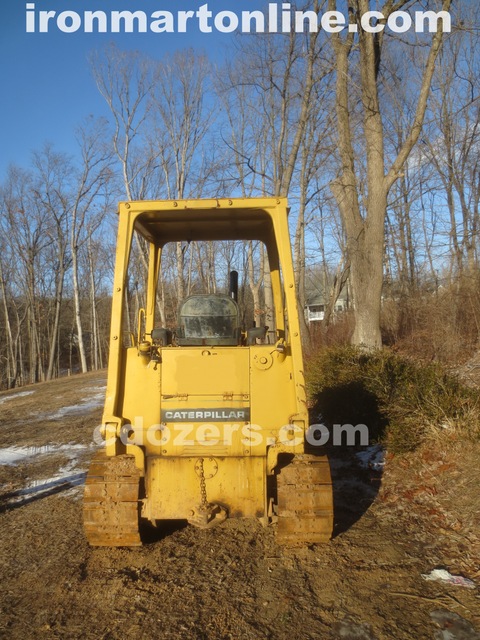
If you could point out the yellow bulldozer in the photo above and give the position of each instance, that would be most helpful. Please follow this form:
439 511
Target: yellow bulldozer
206 419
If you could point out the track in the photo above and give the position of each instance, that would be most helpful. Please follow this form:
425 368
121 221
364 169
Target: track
305 501
111 502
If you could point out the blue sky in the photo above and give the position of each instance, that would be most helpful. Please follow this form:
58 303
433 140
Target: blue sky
47 86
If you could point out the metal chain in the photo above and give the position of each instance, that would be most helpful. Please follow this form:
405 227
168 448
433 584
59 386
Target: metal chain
203 484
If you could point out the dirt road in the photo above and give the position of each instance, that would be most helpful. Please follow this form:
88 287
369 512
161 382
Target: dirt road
232 581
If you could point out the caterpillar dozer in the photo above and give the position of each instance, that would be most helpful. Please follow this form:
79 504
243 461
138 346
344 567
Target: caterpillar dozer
205 419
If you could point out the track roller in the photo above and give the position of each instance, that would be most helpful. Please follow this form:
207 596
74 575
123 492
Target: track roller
305 501
111 502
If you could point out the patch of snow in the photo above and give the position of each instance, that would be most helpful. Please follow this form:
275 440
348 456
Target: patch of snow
66 480
84 405
64 475
13 455
373 457
452 626
14 396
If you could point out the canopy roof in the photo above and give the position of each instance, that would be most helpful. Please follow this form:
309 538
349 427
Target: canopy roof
185 220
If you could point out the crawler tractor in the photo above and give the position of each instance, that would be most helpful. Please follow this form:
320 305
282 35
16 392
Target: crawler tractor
205 419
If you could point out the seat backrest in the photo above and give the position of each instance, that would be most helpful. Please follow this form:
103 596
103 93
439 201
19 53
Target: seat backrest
208 319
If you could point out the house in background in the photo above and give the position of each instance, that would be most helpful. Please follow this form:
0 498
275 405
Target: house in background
317 301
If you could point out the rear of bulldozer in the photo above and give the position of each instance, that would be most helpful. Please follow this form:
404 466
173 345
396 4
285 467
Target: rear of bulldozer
205 420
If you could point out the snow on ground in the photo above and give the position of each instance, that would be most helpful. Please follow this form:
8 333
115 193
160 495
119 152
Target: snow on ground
88 403
66 480
14 455
14 396
71 474
372 457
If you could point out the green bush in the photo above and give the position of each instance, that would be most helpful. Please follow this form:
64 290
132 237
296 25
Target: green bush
402 402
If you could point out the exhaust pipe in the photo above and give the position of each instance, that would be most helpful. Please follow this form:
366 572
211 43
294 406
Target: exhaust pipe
233 289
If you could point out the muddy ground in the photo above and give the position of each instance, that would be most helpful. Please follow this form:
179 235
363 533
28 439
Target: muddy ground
420 513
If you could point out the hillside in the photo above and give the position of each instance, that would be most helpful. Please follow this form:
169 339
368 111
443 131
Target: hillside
394 522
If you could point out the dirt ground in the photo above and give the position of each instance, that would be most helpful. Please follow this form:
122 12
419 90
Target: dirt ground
232 582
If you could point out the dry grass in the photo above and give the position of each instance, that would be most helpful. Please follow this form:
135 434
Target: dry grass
441 326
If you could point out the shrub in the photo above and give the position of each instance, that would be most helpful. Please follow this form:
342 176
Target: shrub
402 402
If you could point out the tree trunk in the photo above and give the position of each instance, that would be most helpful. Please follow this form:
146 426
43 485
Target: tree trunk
93 306
255 284
11 359
367 279
365 231
56 322
78 316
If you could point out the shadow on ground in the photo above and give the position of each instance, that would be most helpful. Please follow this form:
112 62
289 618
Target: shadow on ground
22 497
355 456
355 487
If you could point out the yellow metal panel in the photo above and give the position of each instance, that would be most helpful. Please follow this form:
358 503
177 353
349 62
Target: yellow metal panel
173 486
274 401
205 371
141 395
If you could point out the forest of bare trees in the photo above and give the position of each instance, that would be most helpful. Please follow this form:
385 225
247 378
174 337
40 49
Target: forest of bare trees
374 138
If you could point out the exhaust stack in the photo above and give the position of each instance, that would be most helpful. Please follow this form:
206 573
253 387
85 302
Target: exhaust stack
233 289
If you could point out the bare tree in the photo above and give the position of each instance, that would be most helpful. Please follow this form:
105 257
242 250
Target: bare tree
126 81
183 117
363 207
452 146
90 202
11 343
52 188
25 222
271 92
